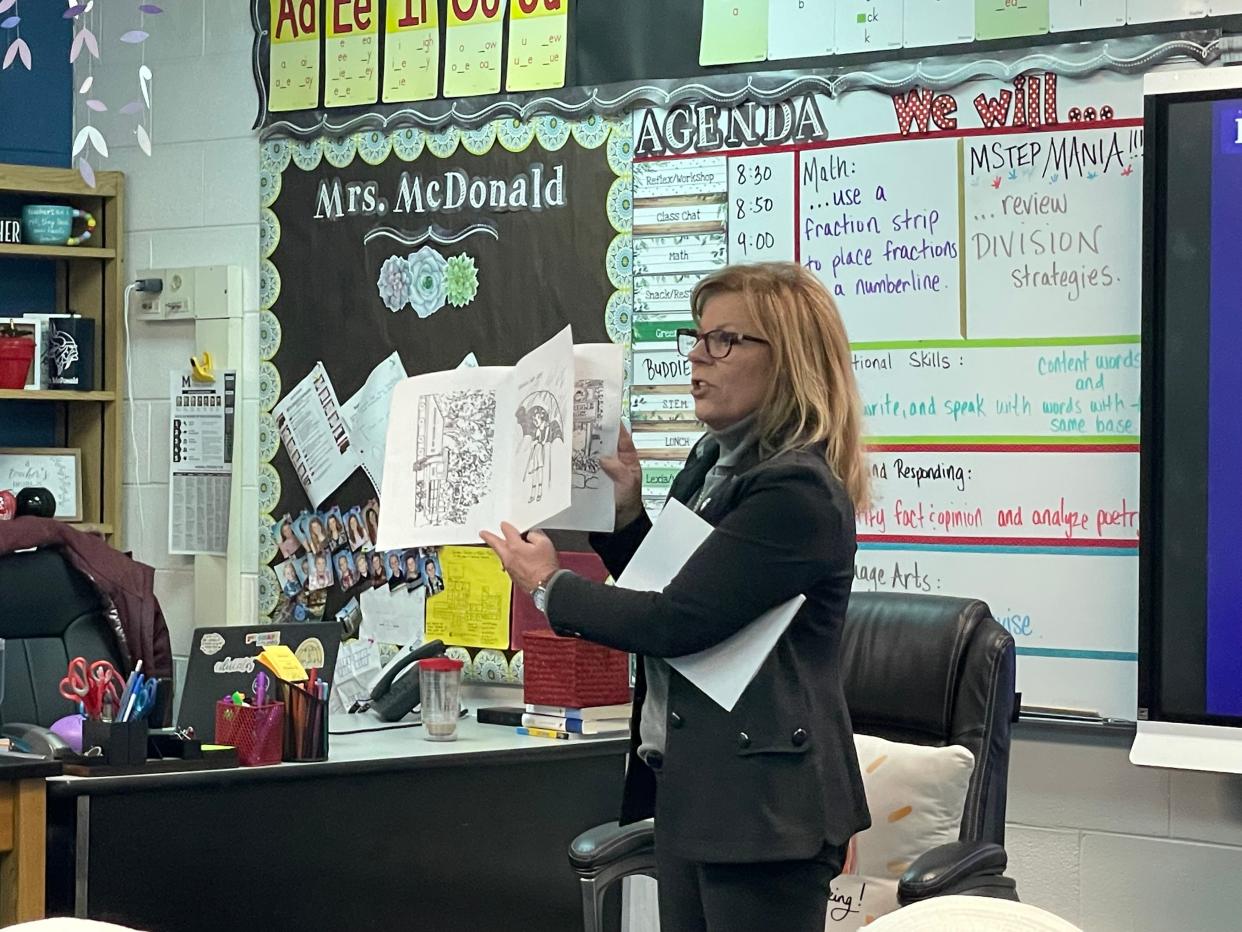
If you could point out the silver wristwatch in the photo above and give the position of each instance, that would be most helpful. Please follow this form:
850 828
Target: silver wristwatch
540 596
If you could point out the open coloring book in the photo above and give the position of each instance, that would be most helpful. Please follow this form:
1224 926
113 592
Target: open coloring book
469 448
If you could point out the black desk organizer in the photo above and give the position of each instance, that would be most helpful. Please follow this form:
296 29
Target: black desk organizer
122 744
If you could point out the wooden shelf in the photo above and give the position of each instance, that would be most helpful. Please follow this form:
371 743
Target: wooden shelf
29 179
26 251
21 394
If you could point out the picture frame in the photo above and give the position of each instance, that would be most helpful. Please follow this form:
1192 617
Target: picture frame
58 469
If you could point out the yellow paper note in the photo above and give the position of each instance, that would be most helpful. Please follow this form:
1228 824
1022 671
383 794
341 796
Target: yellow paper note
472 53
293 62
473 609
411 51
352 52
281 660
734 31
537 44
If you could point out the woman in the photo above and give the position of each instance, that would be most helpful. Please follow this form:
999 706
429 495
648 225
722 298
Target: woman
754 807
357 536
289 543
336 529
316 536
372 516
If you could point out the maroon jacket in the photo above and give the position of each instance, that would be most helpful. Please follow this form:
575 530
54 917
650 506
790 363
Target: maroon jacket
130 585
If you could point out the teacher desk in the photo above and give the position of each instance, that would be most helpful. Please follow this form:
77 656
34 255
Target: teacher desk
391 832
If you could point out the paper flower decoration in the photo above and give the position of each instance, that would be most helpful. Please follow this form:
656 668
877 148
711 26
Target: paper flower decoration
395 282
461 280
426 281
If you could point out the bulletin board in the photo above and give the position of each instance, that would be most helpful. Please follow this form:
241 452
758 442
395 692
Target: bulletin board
439 247
976 218
982 244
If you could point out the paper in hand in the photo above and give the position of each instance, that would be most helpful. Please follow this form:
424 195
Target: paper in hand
723 671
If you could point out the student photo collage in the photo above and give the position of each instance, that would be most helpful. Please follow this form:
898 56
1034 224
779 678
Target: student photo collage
331 548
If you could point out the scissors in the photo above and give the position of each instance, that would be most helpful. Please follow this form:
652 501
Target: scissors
92 685
142 699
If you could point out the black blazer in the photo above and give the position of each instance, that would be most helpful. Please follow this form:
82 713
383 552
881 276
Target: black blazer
777 777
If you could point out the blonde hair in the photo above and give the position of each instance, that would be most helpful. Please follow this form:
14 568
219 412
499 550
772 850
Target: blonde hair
812 397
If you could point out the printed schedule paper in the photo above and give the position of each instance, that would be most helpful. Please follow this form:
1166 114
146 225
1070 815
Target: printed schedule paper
200 476
314 433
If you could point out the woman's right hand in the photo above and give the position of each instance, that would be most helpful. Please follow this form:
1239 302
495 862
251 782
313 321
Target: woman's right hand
627 478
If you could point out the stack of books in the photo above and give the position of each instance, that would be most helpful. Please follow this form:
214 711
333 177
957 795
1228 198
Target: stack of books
601 721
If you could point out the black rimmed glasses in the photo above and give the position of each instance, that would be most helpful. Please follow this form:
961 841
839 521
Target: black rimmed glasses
719 343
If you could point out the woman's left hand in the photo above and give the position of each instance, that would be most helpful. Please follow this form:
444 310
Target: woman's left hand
528 560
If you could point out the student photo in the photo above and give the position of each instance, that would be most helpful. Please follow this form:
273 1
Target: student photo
371 514
336 529
409 563
396 574
431 574
316 536
288 538
345 570
321 573
376 561
362 571
290 581
353 527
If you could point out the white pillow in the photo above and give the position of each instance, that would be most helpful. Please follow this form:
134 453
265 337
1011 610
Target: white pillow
916 795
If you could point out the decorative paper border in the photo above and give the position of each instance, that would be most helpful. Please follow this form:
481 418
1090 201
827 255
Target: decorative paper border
277 154
1123 55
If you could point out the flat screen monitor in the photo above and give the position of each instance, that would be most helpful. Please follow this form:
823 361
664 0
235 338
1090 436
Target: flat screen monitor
1190 660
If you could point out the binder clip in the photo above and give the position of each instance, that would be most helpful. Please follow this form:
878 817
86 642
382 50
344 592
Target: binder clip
200 368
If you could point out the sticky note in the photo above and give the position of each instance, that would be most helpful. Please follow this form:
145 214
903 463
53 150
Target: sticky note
281 660
537 31
293 61
473 609
1005 19
733 31
472 53
351 64
801 28
411 50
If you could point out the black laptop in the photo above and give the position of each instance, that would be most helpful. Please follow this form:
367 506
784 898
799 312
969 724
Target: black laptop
224 660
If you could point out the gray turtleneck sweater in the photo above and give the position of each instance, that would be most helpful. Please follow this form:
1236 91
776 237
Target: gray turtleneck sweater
734 443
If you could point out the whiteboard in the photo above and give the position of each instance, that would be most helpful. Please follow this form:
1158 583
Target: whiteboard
57 470
983 249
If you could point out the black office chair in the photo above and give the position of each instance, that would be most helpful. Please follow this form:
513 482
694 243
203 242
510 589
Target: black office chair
920 669
49 613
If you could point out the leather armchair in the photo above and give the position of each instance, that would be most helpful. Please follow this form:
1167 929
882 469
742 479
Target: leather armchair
49 613
921 669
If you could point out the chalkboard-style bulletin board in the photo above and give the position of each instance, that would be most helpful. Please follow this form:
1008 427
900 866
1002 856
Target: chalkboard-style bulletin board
476 244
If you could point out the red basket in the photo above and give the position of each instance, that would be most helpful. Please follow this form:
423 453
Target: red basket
16 354
573 673
256 731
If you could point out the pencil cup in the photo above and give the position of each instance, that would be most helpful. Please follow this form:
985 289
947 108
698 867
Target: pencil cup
256 731
440 691
306 724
